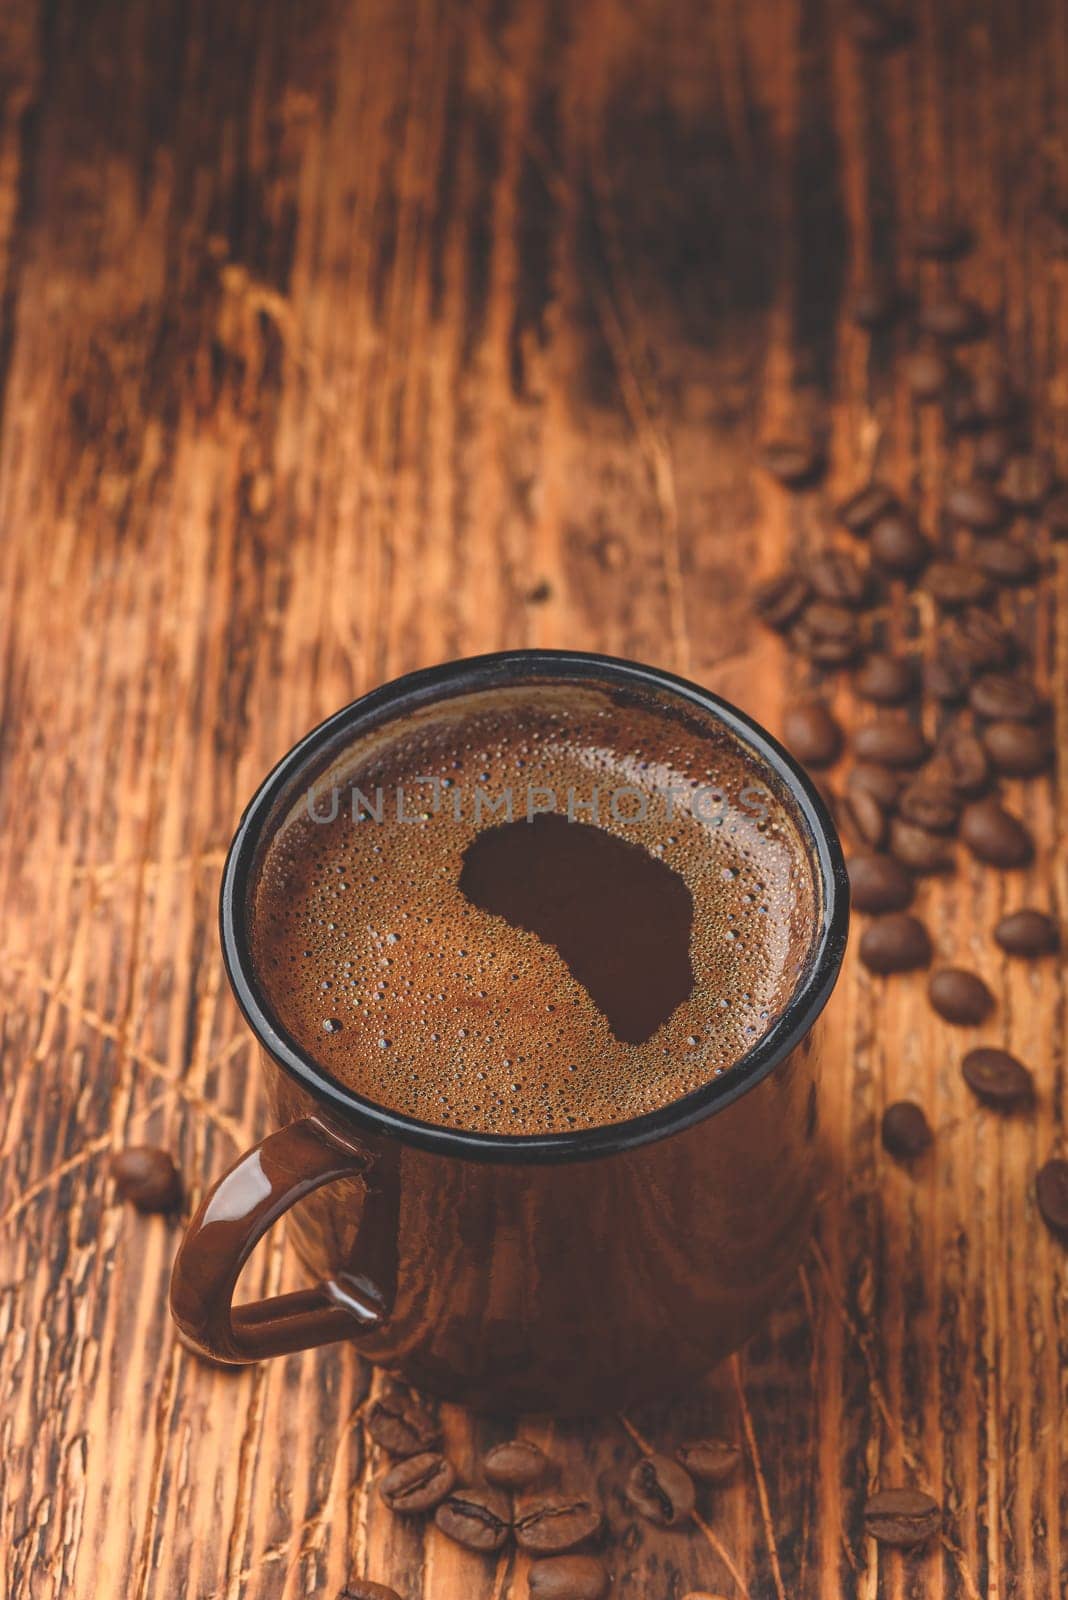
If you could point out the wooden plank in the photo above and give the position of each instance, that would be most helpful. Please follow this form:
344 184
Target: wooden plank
341 344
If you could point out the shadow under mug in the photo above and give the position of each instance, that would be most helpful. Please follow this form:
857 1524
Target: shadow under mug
571 1272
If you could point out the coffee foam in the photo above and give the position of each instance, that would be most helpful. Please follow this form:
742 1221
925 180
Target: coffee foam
372 958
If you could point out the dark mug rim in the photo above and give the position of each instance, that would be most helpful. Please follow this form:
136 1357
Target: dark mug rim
497 670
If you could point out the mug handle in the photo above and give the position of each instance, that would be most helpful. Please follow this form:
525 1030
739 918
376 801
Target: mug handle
232 1219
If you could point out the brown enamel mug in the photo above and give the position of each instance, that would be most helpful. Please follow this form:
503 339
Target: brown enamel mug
565 1272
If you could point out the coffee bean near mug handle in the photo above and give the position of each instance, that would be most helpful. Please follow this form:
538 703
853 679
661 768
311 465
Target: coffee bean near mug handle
231 1220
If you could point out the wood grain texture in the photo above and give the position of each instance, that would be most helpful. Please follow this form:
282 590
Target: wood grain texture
341 339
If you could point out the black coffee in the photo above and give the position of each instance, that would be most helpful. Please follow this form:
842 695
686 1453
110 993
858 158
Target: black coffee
534 909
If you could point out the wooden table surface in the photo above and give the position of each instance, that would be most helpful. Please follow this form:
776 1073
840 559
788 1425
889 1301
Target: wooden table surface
344 338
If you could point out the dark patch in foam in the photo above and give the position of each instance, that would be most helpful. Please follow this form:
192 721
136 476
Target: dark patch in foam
620 918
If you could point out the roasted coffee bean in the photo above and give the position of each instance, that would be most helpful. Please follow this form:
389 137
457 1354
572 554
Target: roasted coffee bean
1019 749
992 450
1007 561
930 804
902 1517
956 583
961 412
1027 933
876 303
661 1490
995 836
960 996
961 762
882 782
1051 1192
811 732
794 462
879 884
364 1589
917 848
886 679
556 1522
417 1484
948 674
892 744
995 398
866 506
928 374
780 600
479 1519
897 545
1005 697
942 237
905 1130
982 639
827 633
147 1177
402 1427
516 1464
863 818
568 1578
710 1460
898 942
1056 515
952 319
1027 480
976 506
996 1077
837 576
879 25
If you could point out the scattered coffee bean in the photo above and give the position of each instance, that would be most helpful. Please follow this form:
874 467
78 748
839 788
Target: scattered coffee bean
417 1484
1005 697
402 1427
1019 749
866 506
956 583
960 996
995 398
794 462
882 782
885 679
952 319
828 633
948 674
898 942
479 1519
1056 515
364 1589
516 1464
1027 480
897 545
975 505
997 1077
917 848
928 374
147 1177
1027 933
879 883
905 1130
568 1578
780 600
710 1460
942 237
930 804
995 836
891 744
961 762
837 576
876 303
812 733
554 1523
992 450
981 639
1051 1192
879 25
661 1490
863 818
902 1517
1007 561
961 411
